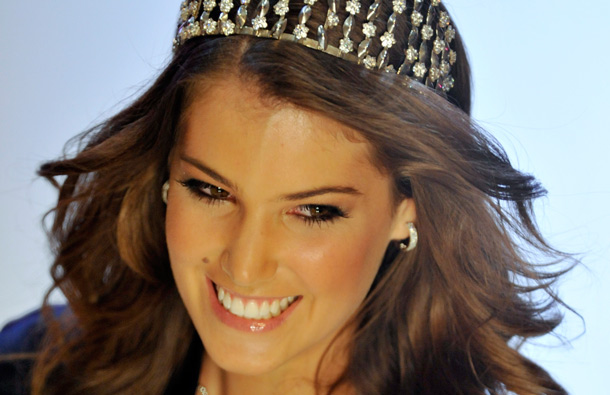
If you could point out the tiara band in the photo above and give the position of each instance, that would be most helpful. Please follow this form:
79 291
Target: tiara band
428 56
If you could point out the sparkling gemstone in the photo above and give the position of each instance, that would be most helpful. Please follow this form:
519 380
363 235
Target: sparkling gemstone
332 19
227 27
427 32
369 62
182 33
368 29
449 34
416 18
445 68
310 2
387 40
447 83
363 47
242 14
184 13
439 45
281 7
321 38
193 8
209 5
192 29
435 73
443 20
452 56
352 6
411 54
209 26
419 70
300 31
259 22
436 3
399 6
225 6
346 45
279 28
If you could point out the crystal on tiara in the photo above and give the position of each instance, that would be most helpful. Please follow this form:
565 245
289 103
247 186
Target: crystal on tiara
443 20
281 7
445 68
346 45
427 35
452 56
352 6
209 5
227 27
193 8
209 26
332 19
259 22
398 6
368 29
411 54
226 6
419 70
416 18
300 31
427 32
369 62
449 34
439 45
387 40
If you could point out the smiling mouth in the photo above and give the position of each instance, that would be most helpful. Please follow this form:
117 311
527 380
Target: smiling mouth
257 309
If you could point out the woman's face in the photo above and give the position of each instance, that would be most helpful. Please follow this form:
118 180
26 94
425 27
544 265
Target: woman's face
272 207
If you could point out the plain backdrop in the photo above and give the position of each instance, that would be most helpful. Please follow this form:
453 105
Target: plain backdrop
541 79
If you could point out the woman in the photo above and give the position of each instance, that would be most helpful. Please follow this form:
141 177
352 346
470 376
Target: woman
289 209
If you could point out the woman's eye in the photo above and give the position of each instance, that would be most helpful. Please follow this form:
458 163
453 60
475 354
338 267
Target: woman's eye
318 214
205 190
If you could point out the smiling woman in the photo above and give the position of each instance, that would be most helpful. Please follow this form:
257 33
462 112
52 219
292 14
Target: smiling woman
285 212
273 250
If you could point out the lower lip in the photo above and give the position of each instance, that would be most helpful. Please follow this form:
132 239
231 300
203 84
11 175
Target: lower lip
247 324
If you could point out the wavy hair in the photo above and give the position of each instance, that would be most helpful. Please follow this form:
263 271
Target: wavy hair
443 319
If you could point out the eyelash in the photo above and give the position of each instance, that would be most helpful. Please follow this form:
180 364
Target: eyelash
330 214
325 213
197 188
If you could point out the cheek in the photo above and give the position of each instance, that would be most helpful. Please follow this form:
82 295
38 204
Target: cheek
342 268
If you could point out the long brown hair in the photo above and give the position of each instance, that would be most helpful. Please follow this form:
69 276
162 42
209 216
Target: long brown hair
440 319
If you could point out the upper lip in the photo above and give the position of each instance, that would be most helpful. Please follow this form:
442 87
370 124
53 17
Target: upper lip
251 297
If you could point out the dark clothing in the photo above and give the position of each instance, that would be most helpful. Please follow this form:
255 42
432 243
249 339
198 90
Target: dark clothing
25 334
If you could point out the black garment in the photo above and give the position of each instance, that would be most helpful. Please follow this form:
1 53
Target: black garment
25 335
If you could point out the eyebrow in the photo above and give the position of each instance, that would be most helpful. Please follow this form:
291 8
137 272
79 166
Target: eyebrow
292 196
209 171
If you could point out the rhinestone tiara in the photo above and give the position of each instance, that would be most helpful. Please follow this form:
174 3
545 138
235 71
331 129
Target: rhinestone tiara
428 56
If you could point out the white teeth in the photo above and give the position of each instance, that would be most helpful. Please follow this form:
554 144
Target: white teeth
274 309
226 302
264 310
237 307
251 309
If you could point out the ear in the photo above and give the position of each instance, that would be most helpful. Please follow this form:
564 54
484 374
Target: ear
404 213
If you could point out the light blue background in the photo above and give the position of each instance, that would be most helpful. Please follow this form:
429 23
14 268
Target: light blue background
541 72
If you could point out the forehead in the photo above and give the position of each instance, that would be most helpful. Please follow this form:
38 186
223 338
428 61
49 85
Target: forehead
230 128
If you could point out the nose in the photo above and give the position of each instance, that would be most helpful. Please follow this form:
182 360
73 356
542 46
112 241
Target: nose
248 256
